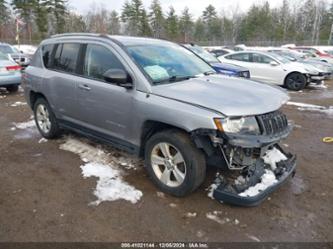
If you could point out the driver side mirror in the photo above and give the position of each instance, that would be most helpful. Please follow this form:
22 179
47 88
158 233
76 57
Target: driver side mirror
119 77
274 63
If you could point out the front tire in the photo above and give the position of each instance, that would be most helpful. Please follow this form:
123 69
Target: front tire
174 163
295 81
12 88
45 119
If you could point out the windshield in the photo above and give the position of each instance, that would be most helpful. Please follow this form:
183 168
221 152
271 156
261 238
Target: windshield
279 57
168 62
6 49
203 54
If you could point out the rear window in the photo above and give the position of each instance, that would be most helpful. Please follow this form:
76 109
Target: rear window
65 58
6 49
3 56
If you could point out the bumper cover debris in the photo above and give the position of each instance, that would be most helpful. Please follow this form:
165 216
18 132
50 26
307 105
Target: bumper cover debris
227 193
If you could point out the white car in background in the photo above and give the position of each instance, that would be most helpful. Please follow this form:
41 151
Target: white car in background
271 68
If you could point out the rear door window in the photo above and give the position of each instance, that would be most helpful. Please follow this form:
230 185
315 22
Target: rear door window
259 58
66 57
98 60
239 57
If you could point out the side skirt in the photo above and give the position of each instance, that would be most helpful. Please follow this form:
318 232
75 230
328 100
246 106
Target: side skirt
115 142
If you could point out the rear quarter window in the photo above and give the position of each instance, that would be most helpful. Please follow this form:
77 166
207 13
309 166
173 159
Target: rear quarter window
36 59
47 53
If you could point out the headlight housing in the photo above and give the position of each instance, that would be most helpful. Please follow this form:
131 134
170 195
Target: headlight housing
243 125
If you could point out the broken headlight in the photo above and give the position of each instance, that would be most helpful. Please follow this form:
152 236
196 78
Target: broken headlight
243 125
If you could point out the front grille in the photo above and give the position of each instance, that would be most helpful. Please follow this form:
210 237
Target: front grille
273 123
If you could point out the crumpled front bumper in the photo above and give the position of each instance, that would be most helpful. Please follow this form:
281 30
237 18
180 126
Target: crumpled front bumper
224 194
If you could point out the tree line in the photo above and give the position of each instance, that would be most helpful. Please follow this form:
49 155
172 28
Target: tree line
295 21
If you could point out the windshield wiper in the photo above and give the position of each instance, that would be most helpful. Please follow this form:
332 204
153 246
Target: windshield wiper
209 73
175 78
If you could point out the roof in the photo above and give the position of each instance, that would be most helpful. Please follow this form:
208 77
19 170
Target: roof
124 40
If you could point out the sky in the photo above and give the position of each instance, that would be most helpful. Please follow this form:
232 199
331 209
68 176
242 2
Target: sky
196 6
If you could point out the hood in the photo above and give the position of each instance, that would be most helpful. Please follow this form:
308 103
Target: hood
226 95
229 67
307 67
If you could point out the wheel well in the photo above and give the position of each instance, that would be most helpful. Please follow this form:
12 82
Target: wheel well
34 96
285 78
150 128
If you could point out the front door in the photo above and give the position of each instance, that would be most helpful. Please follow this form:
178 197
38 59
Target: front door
104 107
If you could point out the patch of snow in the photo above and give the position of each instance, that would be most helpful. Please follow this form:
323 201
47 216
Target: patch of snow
322 85
254 238
236 222
310 107
110 185
25 125
240 180
173 205
304 105
42 140
273 156
214 185
267 180
160 194
191 215
215 216
18 103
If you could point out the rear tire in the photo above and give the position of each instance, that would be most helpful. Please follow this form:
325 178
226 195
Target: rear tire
45 119
12 88
185 172
295 81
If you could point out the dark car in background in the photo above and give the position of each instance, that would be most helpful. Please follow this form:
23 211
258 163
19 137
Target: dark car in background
222 68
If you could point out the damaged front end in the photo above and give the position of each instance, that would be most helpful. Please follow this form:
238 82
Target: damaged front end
252 162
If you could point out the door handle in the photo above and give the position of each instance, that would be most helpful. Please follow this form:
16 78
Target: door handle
84 87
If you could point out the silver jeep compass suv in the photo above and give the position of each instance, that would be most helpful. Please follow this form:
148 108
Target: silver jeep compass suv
160 101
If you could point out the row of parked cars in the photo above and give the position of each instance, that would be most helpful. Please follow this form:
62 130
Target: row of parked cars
291 67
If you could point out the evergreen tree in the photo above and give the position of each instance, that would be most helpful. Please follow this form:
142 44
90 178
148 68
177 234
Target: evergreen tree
135 18
144 24
186 25
114 23
75 23
199 30
4 16
41 18
212 22
156 19
171 24
58 10
24 9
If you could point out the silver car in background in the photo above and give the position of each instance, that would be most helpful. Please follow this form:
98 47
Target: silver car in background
10 74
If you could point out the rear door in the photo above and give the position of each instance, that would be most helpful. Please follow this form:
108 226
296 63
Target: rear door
62 78
104 107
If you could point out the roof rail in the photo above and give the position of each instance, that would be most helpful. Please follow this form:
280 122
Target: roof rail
78 34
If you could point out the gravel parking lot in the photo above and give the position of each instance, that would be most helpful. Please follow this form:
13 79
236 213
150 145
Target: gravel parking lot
44 196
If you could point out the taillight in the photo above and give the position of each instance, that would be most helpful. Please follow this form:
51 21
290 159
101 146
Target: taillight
14 68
